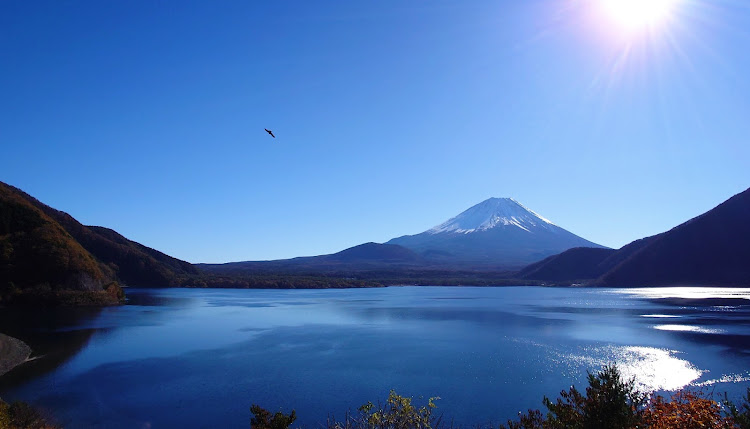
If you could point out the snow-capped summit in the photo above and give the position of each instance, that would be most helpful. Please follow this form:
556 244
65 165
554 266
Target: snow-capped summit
498 232
492 213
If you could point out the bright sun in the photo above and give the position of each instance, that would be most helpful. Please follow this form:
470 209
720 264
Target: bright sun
635 15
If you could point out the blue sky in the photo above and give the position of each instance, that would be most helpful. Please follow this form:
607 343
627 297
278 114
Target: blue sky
391 116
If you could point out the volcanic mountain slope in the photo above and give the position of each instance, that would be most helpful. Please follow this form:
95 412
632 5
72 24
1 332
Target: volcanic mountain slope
711 249
497 232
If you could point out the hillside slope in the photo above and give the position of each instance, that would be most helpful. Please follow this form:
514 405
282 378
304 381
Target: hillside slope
40 260
712 249
572 265
132 263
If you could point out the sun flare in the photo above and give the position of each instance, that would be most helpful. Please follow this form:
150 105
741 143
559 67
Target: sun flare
632 15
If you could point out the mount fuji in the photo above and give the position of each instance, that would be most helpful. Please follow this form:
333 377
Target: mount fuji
496 232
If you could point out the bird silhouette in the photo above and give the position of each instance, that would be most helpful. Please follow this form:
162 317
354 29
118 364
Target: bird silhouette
269 132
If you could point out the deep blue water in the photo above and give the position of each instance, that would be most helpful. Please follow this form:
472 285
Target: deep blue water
200 358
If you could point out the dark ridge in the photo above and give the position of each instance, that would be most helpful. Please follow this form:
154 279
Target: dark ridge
131 262
375 252
41 262
623 253
366 256
572 265
711 249
135 263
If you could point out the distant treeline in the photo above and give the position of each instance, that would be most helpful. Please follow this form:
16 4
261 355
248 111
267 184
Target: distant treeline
272 281
357 278
345 279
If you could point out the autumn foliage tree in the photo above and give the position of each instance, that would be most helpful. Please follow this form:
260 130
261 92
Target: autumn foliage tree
611 402
686 410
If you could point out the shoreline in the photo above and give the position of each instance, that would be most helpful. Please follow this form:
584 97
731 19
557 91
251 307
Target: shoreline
13 352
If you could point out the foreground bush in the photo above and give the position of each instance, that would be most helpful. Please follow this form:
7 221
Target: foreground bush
740 415
613 403
687 409
610 402
20 415
397 413
262 419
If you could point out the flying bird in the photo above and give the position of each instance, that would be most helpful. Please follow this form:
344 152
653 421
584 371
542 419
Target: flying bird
269 132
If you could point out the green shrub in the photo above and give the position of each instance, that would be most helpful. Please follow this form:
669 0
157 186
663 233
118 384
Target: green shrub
610 402
397 413
533 419
262 419
741 414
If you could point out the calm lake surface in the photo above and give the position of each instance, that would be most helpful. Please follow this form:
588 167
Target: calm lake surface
200 358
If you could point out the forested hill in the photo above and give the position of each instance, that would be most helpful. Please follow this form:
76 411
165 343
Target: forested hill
133 263
41 261
124 260
712 249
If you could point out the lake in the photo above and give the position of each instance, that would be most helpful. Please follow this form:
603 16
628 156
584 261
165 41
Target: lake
201 357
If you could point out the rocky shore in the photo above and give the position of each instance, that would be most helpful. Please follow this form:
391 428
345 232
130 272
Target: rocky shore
13 352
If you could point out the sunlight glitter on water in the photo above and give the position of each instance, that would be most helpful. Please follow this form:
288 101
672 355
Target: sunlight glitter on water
655 369
687 292
660 316
688 328
727 378
652 368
